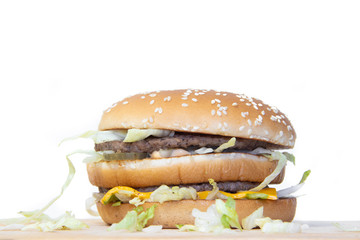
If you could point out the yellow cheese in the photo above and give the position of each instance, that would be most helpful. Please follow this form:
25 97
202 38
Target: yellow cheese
131 191
270 194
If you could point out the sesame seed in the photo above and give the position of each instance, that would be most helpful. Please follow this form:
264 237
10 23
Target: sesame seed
249 122
234 104
244 114
184 104
194 99
263 112
212 101
152 95
224 94
241 128
126 102
249 131
184 98
152 101
248 104
289 128
217 100
217 93
273 118
159 110
167 99
242 100
213 112
142 97
151 119
218 113
281 133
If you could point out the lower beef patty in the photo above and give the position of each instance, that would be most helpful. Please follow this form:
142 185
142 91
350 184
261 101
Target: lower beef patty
184 141
231 187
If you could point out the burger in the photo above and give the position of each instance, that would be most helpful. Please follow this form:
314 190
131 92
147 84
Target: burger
183 149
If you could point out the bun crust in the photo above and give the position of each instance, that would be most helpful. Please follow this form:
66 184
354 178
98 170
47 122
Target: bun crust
171 213
182 170
201 111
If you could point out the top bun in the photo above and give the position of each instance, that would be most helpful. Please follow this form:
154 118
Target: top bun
201 111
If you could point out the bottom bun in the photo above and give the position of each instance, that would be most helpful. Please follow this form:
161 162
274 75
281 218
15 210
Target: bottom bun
169 214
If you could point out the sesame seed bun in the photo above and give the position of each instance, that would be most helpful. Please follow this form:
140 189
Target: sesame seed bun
169 214
202 111
197 112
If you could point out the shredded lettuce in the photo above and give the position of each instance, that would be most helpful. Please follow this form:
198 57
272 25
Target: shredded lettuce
187 228
288 191
219 217
165 193
209 221
305 176
282 160
248 222
34 215
229 216
226 145
130 135
64 222
214 191
257 196
136 201
268 225
134 135
100 136
89 203
39 220
347 229
135 220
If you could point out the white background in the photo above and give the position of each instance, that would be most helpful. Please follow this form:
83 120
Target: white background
63 62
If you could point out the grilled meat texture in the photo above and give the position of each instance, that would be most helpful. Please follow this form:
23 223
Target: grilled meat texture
184 141
231 187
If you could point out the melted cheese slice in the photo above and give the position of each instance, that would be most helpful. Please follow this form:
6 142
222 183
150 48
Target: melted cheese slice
267 193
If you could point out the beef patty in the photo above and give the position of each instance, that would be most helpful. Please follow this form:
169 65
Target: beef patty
184 141
230 187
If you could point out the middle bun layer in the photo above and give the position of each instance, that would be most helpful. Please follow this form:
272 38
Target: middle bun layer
221 167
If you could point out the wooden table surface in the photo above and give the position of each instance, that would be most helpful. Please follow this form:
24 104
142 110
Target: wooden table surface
97 230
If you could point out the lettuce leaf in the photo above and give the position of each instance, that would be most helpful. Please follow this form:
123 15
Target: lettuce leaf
347 229
165 193
37 219
134 135
134 220
219 217
100 136
282 160
64 222
226 145
288 191
229 216
249 222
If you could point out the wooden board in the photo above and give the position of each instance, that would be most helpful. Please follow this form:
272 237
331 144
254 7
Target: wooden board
97 230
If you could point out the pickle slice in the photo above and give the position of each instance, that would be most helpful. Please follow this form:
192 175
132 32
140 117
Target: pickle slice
124 156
